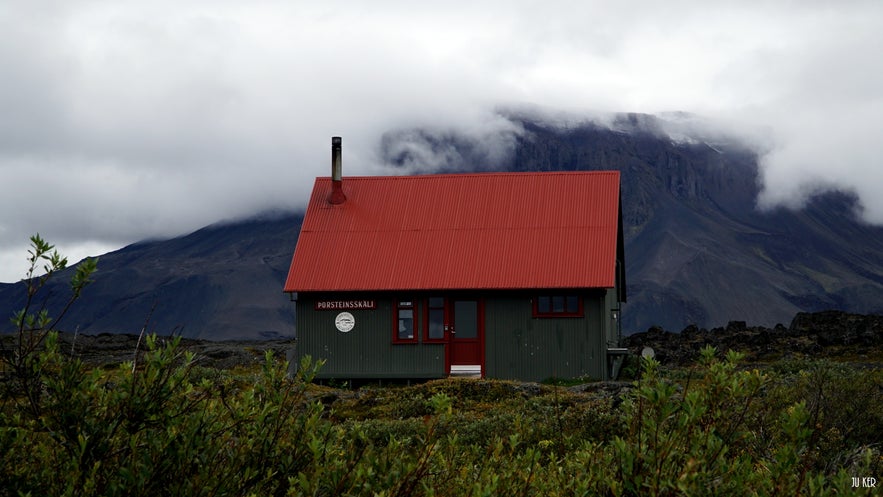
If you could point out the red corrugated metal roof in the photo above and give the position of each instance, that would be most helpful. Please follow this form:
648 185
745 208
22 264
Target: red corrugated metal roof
460 231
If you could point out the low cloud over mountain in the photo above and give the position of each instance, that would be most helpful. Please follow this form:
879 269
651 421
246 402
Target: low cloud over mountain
698 250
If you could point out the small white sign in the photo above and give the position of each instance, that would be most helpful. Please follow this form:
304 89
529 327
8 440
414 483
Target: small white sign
344 322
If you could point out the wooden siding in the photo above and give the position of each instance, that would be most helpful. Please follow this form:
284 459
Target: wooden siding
367 351
517 345
611 326
521 347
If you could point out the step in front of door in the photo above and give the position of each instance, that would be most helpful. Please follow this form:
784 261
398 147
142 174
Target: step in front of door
466 370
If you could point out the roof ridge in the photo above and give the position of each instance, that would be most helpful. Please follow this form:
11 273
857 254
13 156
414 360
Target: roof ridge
360 229
477 173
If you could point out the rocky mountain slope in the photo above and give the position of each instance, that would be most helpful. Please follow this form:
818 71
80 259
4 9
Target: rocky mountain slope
697 250
221 282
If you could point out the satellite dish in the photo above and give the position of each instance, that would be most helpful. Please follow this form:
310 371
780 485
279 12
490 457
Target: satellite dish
648 353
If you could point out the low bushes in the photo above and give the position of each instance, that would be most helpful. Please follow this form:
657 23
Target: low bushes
161 426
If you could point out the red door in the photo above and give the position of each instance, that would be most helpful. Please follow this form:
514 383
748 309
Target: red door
465 326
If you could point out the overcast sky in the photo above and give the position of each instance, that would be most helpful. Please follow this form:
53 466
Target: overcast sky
123 120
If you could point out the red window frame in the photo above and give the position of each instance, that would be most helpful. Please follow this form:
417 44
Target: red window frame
436 304
404 304
542 310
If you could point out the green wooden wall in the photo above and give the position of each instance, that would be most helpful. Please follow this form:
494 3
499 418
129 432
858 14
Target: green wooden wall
519 346
367 350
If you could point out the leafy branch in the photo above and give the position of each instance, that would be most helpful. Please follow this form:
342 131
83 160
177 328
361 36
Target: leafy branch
22 362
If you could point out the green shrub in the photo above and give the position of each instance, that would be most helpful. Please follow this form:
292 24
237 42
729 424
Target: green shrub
845 404
701 437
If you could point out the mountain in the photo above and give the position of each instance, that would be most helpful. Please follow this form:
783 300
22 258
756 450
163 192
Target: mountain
221 282
697 250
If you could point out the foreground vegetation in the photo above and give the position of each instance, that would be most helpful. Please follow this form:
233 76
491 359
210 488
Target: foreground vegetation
163 425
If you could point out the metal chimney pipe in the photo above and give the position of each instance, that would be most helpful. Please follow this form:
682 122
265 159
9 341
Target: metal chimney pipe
336 196
336 167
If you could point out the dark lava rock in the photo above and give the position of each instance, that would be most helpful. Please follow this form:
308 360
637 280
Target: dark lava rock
818 334
839 328
109 350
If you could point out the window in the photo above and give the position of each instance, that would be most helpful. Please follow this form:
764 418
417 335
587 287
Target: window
557 306
405 322
435 319
407 328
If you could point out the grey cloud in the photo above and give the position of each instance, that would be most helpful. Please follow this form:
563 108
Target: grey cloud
126 120
428 148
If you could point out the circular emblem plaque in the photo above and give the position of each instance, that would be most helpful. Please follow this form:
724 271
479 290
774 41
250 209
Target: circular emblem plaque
344 322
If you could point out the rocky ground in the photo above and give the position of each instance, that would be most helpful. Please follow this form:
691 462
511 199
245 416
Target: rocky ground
107 350
834 335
